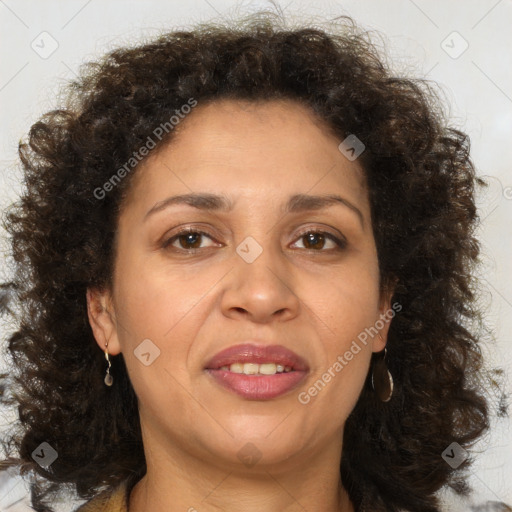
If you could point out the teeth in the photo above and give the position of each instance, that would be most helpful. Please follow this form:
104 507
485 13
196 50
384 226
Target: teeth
251 368
268 369
257 369
237 368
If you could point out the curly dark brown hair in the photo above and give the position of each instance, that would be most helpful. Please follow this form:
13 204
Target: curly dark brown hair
421 185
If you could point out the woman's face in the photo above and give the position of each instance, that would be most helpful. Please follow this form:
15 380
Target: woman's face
266 272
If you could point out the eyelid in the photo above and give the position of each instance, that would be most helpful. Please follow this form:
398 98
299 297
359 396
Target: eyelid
168 240
339 239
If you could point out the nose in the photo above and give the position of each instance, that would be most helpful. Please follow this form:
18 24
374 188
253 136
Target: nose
261 291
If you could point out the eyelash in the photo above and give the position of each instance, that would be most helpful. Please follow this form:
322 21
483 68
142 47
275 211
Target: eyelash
341 243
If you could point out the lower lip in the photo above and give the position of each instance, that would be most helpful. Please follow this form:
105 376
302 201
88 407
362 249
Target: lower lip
257 387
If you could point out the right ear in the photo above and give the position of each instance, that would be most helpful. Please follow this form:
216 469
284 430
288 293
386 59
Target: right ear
101 313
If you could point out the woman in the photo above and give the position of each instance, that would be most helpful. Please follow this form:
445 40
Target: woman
244 260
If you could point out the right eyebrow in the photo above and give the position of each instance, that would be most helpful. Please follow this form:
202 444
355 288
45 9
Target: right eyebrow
208 202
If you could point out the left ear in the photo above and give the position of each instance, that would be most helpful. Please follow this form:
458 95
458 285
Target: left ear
387 311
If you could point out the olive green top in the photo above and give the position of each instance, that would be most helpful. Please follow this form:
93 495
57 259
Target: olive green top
109 501
117 500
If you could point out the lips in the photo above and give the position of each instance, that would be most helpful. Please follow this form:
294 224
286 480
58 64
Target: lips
257 387
249 353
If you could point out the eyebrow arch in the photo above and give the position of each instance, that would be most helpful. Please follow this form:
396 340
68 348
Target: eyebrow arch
296 204
305 202
205 201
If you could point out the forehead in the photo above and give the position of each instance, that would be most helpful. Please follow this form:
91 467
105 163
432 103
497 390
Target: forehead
247 145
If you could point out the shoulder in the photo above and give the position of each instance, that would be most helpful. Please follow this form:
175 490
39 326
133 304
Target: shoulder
115 500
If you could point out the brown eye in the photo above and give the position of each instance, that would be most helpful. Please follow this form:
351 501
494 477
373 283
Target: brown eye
316 241
188 240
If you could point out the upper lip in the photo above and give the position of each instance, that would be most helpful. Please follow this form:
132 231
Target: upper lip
259 354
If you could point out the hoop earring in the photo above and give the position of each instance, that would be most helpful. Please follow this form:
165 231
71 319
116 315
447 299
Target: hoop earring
382 381
108 378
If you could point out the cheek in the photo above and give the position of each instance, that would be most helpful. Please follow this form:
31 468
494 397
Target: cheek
334 388
158 324
348 299
155 298
168 308
346 307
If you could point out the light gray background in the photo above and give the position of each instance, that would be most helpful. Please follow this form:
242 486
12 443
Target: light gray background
477 85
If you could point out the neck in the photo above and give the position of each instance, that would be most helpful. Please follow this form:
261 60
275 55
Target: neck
180 481
233 494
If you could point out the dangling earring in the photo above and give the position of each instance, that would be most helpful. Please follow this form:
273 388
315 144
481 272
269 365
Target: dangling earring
382 381
108 378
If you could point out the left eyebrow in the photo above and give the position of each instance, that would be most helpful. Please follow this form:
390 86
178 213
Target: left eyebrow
305 202
296 203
